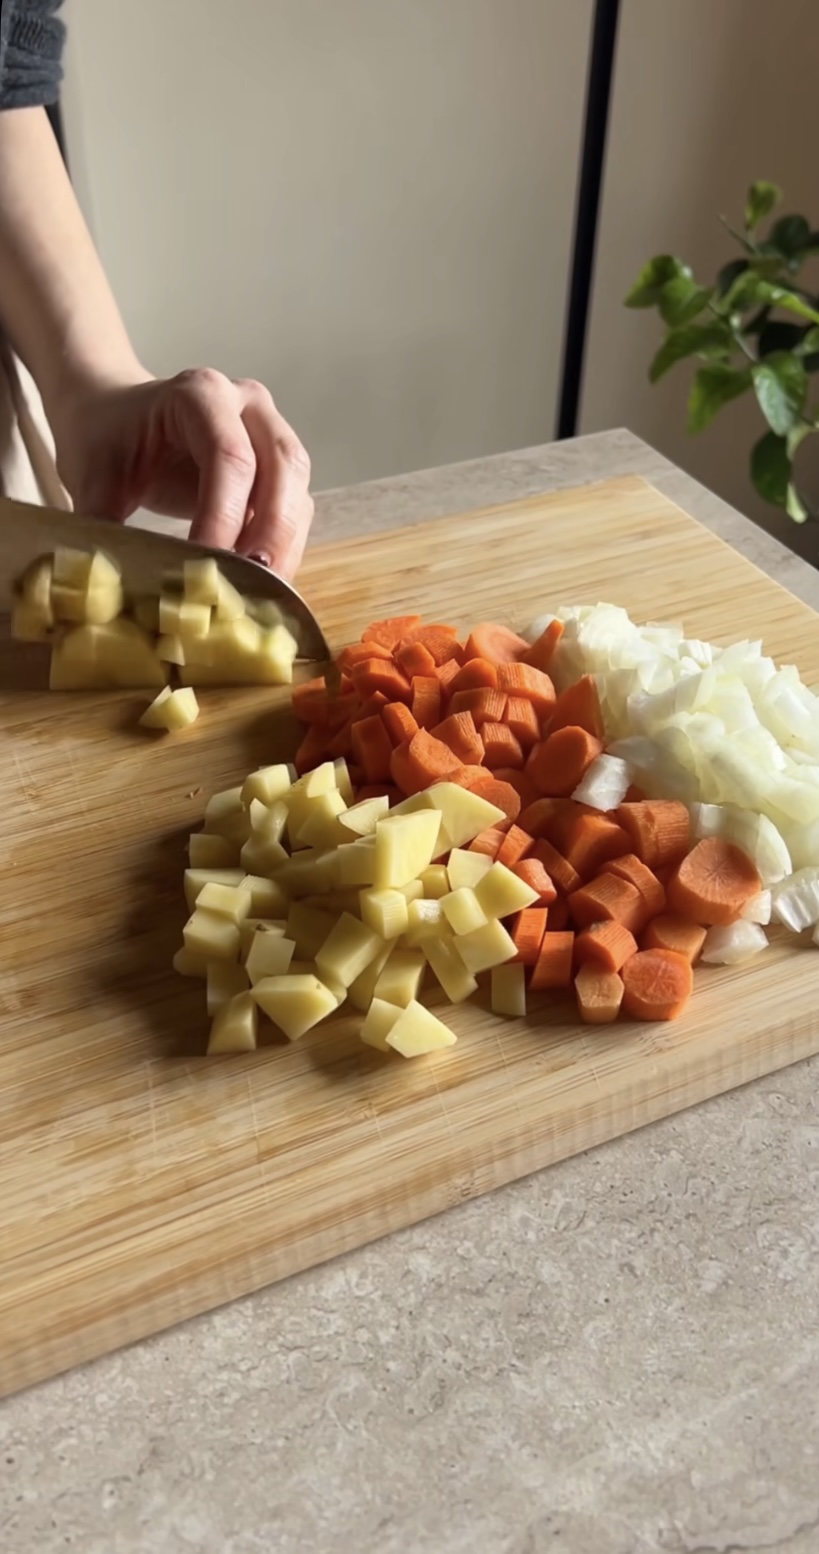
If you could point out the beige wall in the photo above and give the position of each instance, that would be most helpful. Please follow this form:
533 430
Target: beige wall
709 95
366 203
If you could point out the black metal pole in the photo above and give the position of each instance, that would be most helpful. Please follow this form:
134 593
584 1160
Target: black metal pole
598 95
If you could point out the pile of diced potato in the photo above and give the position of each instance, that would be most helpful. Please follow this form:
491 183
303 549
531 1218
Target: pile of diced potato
302 900
199 629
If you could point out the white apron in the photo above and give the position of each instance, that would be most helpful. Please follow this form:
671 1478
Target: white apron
28 472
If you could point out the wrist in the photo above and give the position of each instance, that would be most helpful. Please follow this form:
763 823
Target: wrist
76 380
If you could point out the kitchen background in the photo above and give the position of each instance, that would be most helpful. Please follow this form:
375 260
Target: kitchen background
369 204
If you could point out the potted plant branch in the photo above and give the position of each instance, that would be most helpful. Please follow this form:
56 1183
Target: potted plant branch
755 329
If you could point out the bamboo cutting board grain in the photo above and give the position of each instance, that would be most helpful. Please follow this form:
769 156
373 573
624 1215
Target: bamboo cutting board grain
140 1183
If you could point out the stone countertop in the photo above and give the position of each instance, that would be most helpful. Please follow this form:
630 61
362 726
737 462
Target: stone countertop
619 1355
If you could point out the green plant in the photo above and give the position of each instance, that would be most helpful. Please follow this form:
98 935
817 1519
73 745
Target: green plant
736 328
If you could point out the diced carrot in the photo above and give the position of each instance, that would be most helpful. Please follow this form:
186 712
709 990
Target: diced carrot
342 710
467 776
341 743
403 770
634 795
638 874
446 674
608 899
533 874
357 652
557 764
713 883
414 659
660 830
557 867
497 644
590 840
399 722
311 751
430 760
578 707
607 945
389 633
516 844
441 642
599 994
374 704
475 674
522 680
558 915
542 651
486 705
488 842
502 794
458 731
524 789
657 985
521 718
426 701
527 933
311 701
553 968
541 815
501 748
376 674
372 748
668 932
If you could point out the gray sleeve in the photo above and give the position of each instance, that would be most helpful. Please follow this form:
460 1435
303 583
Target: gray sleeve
32 40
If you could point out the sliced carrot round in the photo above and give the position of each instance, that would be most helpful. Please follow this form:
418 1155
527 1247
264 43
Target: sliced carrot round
657 985
497 644
713 883
500 793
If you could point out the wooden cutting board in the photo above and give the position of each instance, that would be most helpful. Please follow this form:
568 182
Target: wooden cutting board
140 1183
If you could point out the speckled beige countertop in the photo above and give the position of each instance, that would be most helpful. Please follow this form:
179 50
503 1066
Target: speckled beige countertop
617 1356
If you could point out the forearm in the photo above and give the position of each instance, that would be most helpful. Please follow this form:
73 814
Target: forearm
56 306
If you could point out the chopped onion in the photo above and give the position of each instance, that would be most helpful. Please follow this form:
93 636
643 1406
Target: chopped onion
731 945
758 910
796 900
605 784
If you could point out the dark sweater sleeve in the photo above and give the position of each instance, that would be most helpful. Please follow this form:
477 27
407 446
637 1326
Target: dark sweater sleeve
32 40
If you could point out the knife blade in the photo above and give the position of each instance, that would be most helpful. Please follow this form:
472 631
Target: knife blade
144 558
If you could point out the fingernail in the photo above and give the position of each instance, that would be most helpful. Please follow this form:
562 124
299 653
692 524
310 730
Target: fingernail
261 557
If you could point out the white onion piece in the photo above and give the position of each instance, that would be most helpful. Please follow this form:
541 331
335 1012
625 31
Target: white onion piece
732 944
754 834
605 784
537 628
758 910
796 901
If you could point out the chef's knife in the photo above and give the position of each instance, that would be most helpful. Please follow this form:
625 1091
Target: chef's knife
144 558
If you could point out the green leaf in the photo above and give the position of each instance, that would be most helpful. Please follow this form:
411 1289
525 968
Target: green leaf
647 289
797 435
759 202
790 235
729 273
781 385
682 299
771 468
753 291
713 387
794 506
809 342
690 340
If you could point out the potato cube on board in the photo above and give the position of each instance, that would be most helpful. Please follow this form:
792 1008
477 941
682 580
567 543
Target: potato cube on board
309 927
362 991
294 1003
201 580
485 947
425 920
361 819
231 901
267 898
208 934
267 784
195 881
448 968
226 980
171 710
269 955
399 980
404 847
434 883
347 950
188 964
380 1019
417 1031
385 912
235 1026
465 869
463 911
500 892
247 931
463 815
509 991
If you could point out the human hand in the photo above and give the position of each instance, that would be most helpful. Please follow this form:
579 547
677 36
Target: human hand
198 446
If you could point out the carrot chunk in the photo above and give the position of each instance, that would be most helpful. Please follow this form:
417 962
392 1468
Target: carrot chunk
311 751
485 704
459 733
606 945
516 844
388 633
501 748
357 652
488 842
403 770
533 874
376 674
557 764
518 780
441 642
399 722
430 760
631 868
414 659
475 674
606 899
542 651
660 830
372 748
553 968
713 883
599 994
501 794
527 933
522 719
531 684
311 701
657 985
579 707
560 870
446 674
590 839
426 700
558 915
495 643
668 932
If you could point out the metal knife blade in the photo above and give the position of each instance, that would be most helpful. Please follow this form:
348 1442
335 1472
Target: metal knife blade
144 557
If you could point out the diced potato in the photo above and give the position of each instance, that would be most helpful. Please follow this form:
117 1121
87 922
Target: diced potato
200 580
36 588
208 934
434 882
465 869
68 603
146 613
295 1003
75 661
400 979
322 779
28 624
71 567
171 650
362 818
221 807
413 890
197 878
385 911
309 928
267 897
348 948
103 603
509 991
381 1018
231 901
307 968
485 947
179 617
424 918
211 851
269 955
404 847
417 1030
463 815
277 656
188 964
500 892
127 657
308 873
226 980
263 856
322 826
171 710
230 606
362 990
463 911
337 901
268 821
449 970
356 863
343 782
235 1027
247 931
103 572
267 784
